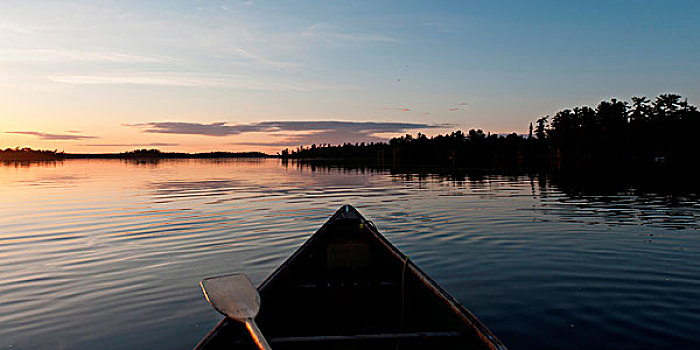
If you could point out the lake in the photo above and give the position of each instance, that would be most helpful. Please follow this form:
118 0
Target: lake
107 254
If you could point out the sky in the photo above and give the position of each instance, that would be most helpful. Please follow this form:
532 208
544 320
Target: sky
196 76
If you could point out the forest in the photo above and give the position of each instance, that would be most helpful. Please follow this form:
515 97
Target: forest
615 133
21 154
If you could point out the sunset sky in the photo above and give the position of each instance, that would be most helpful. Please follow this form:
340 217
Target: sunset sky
110 76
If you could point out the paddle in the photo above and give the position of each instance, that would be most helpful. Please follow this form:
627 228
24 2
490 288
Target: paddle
236 297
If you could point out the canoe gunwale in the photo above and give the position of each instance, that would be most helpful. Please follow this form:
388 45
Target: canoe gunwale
346 211
225 321
467 316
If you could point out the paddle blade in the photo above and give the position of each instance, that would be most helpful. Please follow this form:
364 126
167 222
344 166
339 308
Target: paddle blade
232 295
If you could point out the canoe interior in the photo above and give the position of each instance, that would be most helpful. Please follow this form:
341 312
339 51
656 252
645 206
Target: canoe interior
348 288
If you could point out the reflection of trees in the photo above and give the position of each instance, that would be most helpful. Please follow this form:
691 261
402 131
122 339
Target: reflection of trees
670 185
655 198
615 197
29 163
572 181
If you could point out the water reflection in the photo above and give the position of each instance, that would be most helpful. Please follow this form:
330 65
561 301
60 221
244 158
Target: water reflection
668 200
27 164
108 253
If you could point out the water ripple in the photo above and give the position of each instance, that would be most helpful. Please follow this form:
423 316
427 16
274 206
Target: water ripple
106 254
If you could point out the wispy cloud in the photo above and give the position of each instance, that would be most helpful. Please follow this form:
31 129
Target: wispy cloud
400 109
440 26
285 142
289 133
317 137
322 33
454 109
462 103
152 144
264 61
47 136
15 28
181 80
66 55
222 129
331 136
186 128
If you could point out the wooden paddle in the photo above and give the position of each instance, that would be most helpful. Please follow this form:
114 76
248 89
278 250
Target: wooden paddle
236 297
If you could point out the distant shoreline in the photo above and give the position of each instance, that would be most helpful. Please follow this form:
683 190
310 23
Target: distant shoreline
168 155
28 155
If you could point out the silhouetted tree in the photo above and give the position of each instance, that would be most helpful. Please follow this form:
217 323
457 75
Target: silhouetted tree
614 133
541 128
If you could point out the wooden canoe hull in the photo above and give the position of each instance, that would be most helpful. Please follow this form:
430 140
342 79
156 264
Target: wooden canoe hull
347 287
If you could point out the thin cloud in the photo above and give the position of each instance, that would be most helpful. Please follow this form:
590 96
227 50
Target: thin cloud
438 25
46 136
400 109
222 129
185 128
344 126
152 144
454 109
15 28
333 137
289 133
247 54
282 143
176 81
462 103
319 32
64 55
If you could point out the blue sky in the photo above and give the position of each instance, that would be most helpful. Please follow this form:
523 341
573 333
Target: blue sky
91 74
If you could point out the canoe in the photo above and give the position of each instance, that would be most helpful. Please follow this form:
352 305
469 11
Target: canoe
347 287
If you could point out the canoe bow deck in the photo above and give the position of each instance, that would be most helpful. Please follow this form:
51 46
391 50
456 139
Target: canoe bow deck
347 287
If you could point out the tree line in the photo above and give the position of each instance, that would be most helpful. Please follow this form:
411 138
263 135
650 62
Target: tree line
18 154
146 154
614 133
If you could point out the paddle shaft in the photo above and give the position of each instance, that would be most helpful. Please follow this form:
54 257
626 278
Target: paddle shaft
257 335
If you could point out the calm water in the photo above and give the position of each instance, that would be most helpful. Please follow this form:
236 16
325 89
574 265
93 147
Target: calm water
108 254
